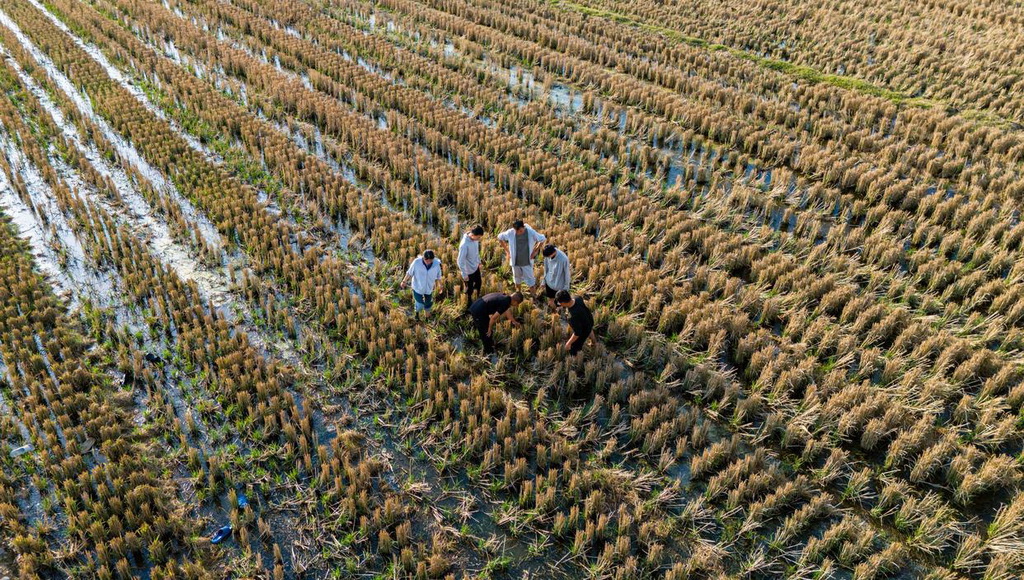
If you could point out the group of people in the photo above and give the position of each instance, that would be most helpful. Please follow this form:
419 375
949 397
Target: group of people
522 243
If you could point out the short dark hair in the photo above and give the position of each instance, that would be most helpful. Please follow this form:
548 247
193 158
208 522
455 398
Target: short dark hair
517 224
563 297
517 297
428 255
548 251
478 230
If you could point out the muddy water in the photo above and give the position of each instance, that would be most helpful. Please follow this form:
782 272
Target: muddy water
123 147
27 227
79 279
214 285
564 100
136 211
58 253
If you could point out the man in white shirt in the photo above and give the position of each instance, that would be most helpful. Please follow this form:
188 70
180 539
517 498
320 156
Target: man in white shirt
469 263
557 272
522 243
425 274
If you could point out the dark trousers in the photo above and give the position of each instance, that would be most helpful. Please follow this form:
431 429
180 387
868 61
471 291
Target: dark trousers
475 282
482 322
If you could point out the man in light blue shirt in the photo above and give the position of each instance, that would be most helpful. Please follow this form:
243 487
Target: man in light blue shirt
425 274
557 273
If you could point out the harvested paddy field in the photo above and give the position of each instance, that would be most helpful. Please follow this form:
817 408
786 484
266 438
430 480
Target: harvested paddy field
796 227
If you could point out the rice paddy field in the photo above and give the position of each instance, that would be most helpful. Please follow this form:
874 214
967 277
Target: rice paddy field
798 226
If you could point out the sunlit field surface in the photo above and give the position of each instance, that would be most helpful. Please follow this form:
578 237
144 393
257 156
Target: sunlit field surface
797 226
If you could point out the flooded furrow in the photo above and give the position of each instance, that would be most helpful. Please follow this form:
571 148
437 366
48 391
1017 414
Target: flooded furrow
131 202
213 284
123 147
57 251
79 280
86 282
565 103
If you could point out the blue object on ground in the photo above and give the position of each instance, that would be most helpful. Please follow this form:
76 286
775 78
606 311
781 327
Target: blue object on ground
242 501
19 451
221 535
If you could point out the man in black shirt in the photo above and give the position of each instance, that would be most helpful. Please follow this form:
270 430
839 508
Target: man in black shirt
581 321
487 310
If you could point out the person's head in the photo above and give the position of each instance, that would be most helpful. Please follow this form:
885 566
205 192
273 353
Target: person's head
548 251
517 298
476 233
563 298
519 226
428 257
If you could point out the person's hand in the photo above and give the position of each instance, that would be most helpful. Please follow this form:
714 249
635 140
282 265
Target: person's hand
489 333
568 344
465 280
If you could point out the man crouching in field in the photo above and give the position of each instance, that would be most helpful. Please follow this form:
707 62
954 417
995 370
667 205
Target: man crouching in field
487 310
581 321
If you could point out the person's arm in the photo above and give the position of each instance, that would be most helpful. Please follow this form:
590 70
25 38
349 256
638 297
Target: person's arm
572 340
490 325
536 249
512 319
539 239
408 275
503 238
440 274
566 274
463 261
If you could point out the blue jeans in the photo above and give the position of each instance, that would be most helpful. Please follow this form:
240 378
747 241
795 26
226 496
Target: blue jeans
423 301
